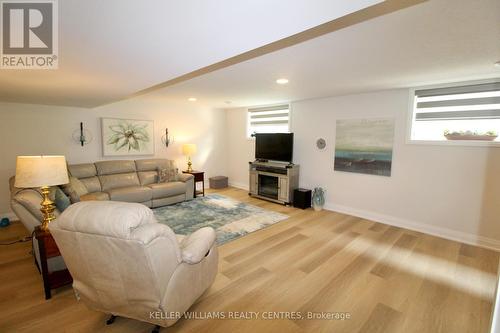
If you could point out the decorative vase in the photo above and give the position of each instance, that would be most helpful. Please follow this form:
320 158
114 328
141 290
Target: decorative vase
4 222
318 198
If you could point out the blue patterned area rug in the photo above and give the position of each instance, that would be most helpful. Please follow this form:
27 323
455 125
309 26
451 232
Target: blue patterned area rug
230 218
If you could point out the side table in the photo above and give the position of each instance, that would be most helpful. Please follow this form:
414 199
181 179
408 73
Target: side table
199 176
48 249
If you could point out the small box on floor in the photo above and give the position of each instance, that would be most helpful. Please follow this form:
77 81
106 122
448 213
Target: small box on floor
218 182
302 198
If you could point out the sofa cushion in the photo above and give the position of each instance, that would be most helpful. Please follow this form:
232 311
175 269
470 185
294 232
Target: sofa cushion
131 194
114 167
95 196
152 164
147 177
82 170
91 183
164 190
74 189
109 182
87 174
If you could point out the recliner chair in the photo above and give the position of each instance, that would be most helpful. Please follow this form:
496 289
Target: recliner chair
125 263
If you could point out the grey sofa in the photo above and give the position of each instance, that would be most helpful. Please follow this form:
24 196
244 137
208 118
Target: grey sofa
117 180
132 181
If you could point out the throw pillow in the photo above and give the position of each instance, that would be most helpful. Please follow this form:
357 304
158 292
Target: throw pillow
74 189
61 200
173 172
162 175
168 174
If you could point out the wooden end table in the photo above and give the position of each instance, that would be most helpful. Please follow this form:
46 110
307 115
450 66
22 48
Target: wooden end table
199 176
48 249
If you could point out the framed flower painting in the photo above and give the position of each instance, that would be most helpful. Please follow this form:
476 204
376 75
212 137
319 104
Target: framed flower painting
124 137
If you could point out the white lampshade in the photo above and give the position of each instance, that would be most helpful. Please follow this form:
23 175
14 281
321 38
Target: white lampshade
189 149
38 171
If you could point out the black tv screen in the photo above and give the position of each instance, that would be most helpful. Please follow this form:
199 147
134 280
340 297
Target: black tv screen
274 146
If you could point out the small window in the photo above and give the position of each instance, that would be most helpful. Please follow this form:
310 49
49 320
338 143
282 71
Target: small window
270 119
462 114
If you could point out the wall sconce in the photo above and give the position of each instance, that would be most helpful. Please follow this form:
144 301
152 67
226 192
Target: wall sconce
83 136
166 139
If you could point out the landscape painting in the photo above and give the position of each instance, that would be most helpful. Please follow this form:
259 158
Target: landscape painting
364 146
124 137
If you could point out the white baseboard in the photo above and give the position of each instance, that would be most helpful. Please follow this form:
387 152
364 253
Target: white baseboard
241 186
459 236
10 215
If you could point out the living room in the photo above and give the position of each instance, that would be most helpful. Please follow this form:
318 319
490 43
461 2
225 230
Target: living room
412 239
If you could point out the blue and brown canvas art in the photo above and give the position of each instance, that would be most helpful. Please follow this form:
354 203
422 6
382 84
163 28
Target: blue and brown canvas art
364 146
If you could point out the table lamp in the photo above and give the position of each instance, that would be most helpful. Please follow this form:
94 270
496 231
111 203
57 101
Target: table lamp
42 172
189 149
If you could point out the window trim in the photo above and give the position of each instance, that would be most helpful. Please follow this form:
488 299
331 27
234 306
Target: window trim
247 115
451 143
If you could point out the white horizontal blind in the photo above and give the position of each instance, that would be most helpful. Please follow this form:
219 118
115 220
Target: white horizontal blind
467 102
269 119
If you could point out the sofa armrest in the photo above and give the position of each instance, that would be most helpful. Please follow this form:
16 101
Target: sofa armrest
184 177
26 203
30 200
188 179
197 245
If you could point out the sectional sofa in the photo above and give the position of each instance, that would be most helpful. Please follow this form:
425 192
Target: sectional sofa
132 181
117 180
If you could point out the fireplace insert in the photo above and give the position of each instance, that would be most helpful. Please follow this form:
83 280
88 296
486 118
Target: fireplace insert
268 186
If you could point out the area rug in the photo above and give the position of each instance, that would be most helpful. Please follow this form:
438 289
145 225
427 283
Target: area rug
230 218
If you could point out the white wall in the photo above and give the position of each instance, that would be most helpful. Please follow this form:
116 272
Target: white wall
444 190
240 149
27 129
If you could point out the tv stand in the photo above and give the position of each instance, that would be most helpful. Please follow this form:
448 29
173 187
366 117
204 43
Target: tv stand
273 181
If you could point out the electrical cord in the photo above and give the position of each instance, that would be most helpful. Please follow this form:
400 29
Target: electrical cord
22 240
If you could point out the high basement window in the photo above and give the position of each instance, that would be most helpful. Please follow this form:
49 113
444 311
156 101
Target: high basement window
269 119
460 114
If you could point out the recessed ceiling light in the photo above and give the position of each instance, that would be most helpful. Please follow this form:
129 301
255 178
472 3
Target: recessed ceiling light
192 99
282 81
497 64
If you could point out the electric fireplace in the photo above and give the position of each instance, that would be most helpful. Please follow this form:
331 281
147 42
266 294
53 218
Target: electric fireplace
268 186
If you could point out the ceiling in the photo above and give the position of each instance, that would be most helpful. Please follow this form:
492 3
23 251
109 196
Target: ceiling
112 49
434 42
164 48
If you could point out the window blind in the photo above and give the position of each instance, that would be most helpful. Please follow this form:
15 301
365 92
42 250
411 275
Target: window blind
269 119
477 101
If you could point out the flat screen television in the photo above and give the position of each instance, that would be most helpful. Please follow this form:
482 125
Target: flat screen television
274 146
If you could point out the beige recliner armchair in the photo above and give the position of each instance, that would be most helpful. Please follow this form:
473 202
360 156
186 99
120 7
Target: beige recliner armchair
125 263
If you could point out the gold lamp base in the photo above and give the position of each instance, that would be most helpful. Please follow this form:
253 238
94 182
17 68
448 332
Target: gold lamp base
47 209
190 165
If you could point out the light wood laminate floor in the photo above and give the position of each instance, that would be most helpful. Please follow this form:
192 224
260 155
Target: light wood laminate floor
387 279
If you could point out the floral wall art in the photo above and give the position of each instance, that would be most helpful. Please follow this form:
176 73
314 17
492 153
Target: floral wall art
123 137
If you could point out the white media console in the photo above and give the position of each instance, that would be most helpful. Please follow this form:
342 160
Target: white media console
273 181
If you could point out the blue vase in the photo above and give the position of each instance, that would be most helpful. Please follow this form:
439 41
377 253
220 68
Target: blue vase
318 198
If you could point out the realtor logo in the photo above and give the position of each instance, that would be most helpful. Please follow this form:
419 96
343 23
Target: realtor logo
29 34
